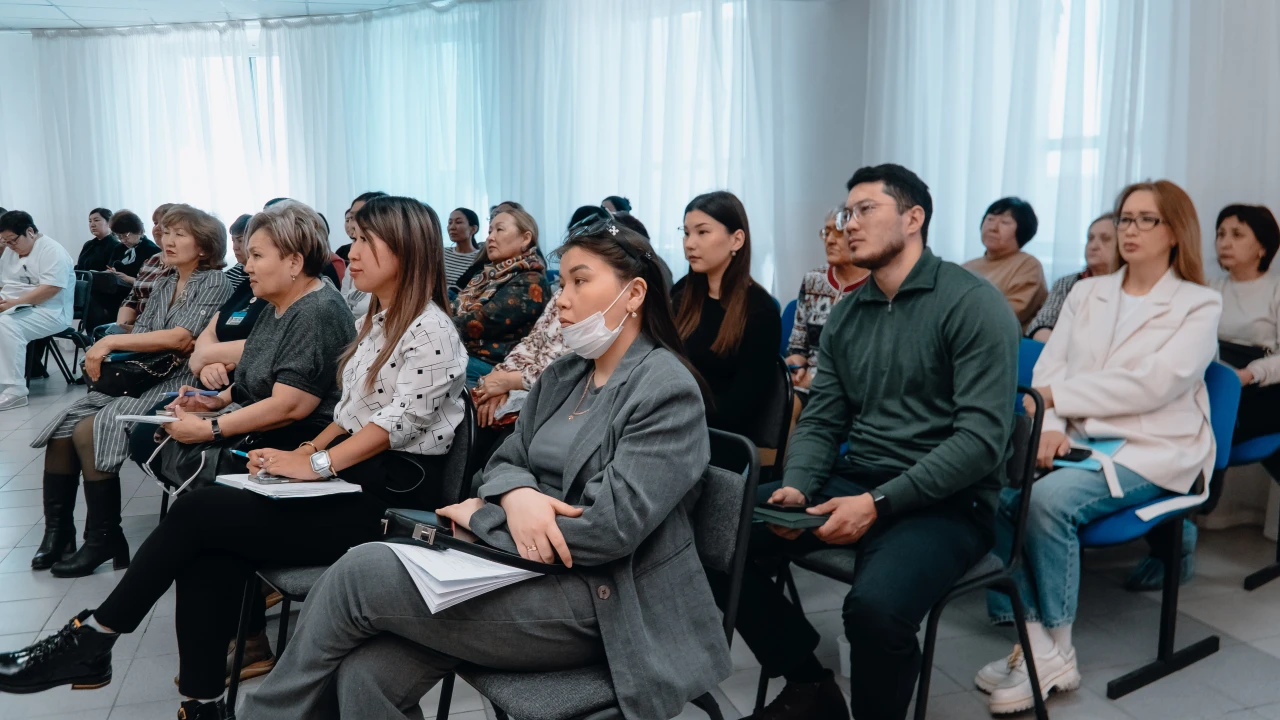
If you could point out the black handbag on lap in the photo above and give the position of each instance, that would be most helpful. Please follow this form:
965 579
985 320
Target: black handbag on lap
422 528
130 374
1239 356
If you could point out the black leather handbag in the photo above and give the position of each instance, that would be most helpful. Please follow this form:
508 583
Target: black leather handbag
129 374
422 528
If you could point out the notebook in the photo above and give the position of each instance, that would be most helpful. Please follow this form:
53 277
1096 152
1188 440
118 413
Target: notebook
448 577
147 419
319 488
1106 446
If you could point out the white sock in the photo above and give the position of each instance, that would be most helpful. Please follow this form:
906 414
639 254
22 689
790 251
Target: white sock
1042 643
1061 637
93 623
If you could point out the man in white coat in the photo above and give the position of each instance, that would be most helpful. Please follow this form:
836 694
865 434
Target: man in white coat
37 292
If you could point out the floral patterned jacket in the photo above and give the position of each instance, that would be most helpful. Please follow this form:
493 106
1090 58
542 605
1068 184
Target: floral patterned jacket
500 305
540 347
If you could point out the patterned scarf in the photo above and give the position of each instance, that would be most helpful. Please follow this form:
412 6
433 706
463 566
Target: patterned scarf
494 276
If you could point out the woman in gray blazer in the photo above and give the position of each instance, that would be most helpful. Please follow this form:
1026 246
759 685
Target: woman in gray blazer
600 475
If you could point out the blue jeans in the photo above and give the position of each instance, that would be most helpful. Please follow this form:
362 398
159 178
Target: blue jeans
1061 503
476 369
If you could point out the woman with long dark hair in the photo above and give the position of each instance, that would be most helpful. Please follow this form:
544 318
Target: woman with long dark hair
587 478
401 401
730 325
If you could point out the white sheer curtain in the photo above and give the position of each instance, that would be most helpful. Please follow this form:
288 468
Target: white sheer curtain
1061 102
554 103
145 116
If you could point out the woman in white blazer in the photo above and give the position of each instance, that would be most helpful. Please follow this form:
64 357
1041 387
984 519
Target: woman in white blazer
1126 360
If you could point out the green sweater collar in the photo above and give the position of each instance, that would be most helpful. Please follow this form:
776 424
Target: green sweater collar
921 278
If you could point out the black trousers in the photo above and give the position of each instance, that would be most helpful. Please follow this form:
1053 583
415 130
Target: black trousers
1257 417
214 538
904 565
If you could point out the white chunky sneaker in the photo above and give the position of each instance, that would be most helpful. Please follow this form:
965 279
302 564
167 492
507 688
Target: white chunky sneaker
995 672
1056 672
9 402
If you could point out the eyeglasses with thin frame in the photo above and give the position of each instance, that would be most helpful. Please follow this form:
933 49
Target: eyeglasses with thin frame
855 213
1144 222
825 231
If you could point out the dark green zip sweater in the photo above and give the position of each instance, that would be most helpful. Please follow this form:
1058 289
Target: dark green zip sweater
921 385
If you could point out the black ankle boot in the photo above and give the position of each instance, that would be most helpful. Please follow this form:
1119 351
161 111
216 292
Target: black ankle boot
103 538
821 700
59 526
201 710
77 655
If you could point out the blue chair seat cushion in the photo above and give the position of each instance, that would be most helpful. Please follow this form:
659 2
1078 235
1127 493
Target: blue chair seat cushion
1255 450
294 582
1125 525
558 695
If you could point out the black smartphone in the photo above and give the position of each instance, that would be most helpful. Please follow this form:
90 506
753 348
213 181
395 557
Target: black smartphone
785 508
1077 455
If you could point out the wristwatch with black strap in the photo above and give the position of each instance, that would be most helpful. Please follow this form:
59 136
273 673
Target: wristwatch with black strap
883 507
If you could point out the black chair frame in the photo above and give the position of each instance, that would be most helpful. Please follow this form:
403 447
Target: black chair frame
253 586
728 451
1021 471
45 346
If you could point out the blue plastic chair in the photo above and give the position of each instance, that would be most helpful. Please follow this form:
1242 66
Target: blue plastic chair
1248 453
788 323
1125 526
1028 353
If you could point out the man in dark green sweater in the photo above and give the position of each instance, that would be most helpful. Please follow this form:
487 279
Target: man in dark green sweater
918 375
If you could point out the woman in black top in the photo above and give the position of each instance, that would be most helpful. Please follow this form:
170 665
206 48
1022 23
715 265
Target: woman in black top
110 287
730 325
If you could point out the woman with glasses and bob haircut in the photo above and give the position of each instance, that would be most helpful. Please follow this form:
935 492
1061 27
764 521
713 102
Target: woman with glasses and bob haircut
587 479
1127 361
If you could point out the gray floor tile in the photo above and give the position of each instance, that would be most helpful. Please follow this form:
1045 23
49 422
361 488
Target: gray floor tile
21 616
16 641
11 536
94 714
21 516
161 710
150 679
160 638
23 482
32 585
1181 696
1243 673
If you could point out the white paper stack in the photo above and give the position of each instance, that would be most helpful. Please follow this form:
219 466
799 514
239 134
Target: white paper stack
318 488
448 577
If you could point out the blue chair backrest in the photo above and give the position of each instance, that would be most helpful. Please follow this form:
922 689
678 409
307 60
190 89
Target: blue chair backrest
1224 402
1028 353
788 322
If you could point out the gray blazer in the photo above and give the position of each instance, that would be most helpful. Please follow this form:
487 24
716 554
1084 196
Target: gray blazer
635 467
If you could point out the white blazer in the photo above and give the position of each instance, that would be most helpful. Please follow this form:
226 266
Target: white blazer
1141 378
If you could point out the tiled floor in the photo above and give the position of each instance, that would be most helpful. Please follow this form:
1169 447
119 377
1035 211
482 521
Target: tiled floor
1115 633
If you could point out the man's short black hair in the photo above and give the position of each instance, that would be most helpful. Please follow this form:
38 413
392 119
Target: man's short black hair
1262 223
1023 214
905 187
17 222
619 203
103 213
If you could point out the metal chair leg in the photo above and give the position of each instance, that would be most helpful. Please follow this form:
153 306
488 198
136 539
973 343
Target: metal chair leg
1020 619
784 583
1168 661
926 660
283 637
708 704
251 593
446 696
1266 574
164 504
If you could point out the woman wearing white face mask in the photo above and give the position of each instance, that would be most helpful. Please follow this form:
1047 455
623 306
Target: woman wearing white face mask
587 478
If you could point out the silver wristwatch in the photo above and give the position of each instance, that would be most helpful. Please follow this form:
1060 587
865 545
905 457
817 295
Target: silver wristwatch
321 465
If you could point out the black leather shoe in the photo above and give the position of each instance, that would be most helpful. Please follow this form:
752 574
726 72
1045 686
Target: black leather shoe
59 526
820 700
103 538
200 710
77 655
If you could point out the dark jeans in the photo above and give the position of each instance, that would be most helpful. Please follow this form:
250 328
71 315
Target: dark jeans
214 538
904 565
1257 417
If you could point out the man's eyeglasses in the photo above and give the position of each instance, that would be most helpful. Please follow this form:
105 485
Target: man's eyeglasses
1144 222
824 232
855 213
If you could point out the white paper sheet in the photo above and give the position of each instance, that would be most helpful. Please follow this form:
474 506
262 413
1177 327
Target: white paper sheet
319 488
448 577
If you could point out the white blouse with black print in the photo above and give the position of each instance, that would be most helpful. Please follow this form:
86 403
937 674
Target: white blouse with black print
417 395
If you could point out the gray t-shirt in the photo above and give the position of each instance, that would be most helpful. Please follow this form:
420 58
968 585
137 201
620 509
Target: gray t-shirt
551 444
300 349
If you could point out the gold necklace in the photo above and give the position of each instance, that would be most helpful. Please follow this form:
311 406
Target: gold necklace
585 389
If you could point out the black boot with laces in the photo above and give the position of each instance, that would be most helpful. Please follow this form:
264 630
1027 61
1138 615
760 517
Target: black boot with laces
77 655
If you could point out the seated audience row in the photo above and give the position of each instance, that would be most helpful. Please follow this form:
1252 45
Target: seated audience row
1007 226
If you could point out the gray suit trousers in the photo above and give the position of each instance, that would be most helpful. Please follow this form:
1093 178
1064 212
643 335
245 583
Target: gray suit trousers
367 647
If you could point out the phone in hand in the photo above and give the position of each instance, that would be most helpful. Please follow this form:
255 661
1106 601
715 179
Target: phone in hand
1077 455
785 508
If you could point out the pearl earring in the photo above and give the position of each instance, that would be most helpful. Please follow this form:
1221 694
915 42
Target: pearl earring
734 253
293 278
633 313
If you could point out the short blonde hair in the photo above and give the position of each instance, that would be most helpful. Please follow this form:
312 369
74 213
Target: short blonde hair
295 228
